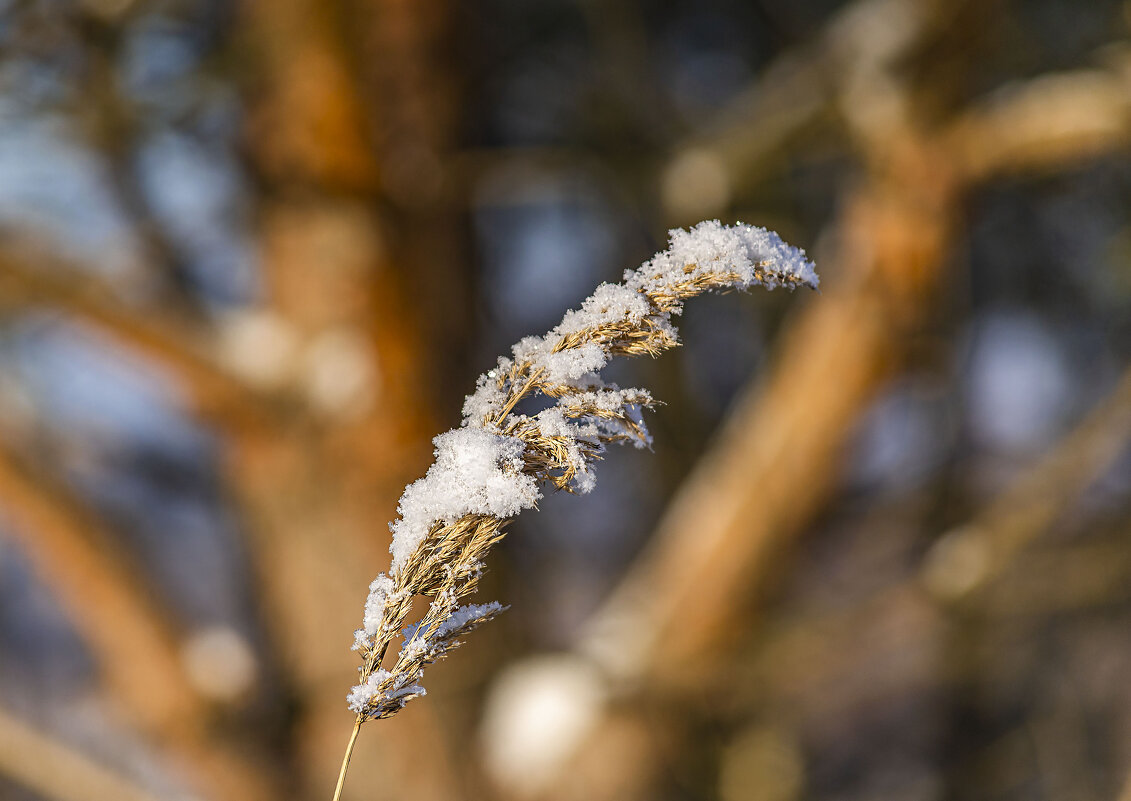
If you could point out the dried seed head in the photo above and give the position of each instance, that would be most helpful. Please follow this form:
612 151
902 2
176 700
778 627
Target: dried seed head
495 464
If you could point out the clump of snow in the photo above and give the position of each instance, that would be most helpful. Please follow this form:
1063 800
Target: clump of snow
360 694
779 257
489 396
379 591
713 248
610 303
401 692
565 366
476 472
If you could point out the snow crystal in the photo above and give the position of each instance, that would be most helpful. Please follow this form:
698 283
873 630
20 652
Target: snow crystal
476 472
709 248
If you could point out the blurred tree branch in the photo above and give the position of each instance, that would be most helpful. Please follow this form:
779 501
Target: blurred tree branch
114 610
317 469
55 771
1046 122
114 126
29 275
135 646
969 558
335 460
1059 580
842 73
1126 794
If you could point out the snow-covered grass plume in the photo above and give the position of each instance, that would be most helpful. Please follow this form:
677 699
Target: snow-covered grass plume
496 464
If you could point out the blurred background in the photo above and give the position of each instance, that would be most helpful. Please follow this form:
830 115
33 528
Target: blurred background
252 256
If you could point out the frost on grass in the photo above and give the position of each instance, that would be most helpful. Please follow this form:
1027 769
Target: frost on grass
495 464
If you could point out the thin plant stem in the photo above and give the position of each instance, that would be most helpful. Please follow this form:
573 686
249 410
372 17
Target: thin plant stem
346 758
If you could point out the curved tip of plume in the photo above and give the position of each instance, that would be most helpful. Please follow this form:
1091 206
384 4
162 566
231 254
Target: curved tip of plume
742 254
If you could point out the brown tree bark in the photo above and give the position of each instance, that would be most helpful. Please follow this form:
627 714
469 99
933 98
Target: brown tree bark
329 143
